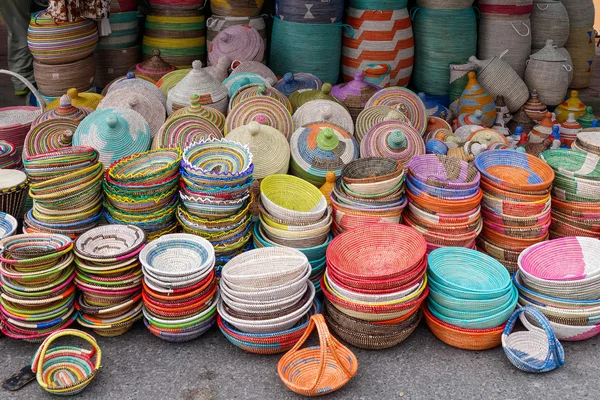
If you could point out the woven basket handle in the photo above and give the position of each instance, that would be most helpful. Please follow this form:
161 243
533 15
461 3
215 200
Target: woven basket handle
553 343
326 342
519 33
567 67
38 360
543 9
41 101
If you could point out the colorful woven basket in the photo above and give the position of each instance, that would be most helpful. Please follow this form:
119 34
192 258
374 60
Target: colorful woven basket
264 110
393 139
405 101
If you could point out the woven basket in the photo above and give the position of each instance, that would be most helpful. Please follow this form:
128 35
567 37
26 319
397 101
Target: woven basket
112 64
177 4
154 67
306 204
323 111
311 11
218 22
397 140
212 93
254 67
581 48
324 369
371 116
124 31
232 8
387 30
458 82
549 21
405 101
130 81
48 136
55 80
238 42
264 110
581 13
355 94
180 36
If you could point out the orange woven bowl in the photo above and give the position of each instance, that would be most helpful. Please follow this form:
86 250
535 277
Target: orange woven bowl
509 242
435 204
466 339
513 195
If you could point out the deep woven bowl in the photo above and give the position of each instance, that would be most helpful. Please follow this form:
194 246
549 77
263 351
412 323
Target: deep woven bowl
444 172
291 198
8 225
150 165
110 243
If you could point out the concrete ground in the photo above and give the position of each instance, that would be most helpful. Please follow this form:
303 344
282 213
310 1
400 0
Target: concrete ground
138 365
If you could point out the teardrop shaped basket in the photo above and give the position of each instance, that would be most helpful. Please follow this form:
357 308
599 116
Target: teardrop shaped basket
66 370
534 350
315 371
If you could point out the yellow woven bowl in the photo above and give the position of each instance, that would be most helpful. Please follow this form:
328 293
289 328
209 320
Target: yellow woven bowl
291 198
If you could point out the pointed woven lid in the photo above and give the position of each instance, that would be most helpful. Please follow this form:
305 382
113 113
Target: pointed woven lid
265 110
197 109
220 70
199 82
355 93
238 42
269 147
573 103
299 98
86 100
168 81
588 118
291 83
155 65
50 135
256 68
65 110
534 107
571 123
324 111
253 91
544 128
548 53
131 81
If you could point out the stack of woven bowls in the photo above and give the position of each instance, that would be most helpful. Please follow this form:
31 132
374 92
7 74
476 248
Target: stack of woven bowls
266 299
470 298
575 193
109 278
37 294
66 187
561 278
142 190
444 196
515 205
180 287
374 284
370 191
215 195
294 213
9 158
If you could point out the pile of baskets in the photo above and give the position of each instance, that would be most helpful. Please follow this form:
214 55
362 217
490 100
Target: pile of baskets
561 278
266 299
515 204
371 190
66 187
109 278
575 193
9 158
294 213
180 287
374 284
471 297
37 293
587 141
215 196
143 190
444 196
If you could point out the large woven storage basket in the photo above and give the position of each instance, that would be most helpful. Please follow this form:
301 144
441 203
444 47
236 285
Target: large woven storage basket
55 80
582 49
549 20
216 23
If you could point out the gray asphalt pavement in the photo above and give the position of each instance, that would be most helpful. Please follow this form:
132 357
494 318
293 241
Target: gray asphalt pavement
139 366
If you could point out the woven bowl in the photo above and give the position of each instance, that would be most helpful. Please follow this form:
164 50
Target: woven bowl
374 175
291 198
8 225
110 243
444 172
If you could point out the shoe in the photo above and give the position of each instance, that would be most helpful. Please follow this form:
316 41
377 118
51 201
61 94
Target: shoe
20 93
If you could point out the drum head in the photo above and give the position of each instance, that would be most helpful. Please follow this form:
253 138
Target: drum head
10 178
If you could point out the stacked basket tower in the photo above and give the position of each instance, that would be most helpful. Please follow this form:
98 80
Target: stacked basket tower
307 37
178 29
215 196
118 52
382 38
266 299
63 54
444 197
575 193
515 204
374 284
581 44
505 25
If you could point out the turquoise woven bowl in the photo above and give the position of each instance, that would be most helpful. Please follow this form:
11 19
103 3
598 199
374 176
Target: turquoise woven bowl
468 274
465 305
314 254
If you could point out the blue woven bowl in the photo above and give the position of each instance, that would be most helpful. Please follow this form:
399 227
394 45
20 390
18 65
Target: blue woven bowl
8 225
465 305
314 254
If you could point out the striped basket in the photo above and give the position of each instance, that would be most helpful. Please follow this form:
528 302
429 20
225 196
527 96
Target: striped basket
236 8
310 11
582 48
180 37
124 31
379 37
216 23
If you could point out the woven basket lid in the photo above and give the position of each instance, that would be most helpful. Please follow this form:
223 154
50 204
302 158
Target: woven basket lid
522 119
114 134
435 109
355 93
570 126
369 117
199 82
469 119
238 42
254 67
82 100
324 111
404 100
534 107
299 98
9 158
197 109
269 147
434 123
321 147
253 91
291 83
487 137
548 53
131 81
544 128
572 104
185 129
475 97
64 111
392 139
220 70
265 110
154 67
140 100
587 119
168 81
49 135
236 82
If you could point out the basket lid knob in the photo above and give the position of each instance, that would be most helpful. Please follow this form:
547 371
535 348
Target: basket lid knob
288 77
254 128
65 100
194 100
595 123
327 139
261 119
262 89
130 75
112 121
155 52
326 88
225 36
327 113
133 101
73 93
359 76
396 139
66 137
196 65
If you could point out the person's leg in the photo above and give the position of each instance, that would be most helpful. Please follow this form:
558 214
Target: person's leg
16 15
